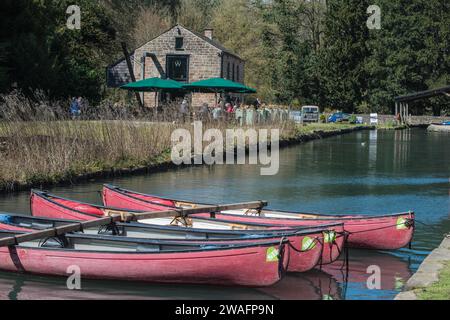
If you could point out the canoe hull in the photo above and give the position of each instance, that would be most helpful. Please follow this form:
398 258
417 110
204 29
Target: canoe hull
331 251
380 233
389 232
301 257
234 267
41 207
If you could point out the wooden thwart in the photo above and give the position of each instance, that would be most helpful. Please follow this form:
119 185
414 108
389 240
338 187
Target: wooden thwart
125 217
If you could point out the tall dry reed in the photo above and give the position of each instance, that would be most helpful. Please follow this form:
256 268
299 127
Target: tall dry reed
39 144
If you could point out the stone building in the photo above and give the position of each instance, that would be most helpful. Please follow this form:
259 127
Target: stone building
182 55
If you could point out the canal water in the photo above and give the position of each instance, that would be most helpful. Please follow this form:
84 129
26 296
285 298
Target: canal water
360 173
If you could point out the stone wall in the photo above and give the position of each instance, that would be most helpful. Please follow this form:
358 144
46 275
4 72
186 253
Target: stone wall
231 63
205 61
413 120
234 70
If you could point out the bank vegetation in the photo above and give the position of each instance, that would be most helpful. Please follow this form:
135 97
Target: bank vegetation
40 146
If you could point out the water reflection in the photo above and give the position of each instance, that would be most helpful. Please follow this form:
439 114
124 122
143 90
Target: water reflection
401 148
395 272
373 154
331 283
315 285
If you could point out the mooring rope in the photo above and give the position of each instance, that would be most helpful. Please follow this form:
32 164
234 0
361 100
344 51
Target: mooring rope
428 225
281 269
301 250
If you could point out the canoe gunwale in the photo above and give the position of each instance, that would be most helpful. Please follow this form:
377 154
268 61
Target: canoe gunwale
325 216
112 239
258 234
48 197
307 229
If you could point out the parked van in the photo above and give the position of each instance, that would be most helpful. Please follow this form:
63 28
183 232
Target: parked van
310 114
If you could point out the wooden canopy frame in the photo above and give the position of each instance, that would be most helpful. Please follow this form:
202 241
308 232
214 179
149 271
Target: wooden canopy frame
402 102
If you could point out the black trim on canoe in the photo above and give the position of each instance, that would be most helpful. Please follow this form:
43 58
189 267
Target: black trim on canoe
325 216
255 237
261 233
137 241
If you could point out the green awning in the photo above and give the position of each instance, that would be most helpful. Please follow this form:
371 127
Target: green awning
219 85
154 84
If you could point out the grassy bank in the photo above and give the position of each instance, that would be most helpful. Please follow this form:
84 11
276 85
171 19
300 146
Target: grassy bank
40 153
389 126
439 290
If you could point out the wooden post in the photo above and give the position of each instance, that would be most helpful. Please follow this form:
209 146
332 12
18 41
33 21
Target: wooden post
407 113
396 112
156 104
130 69
402 114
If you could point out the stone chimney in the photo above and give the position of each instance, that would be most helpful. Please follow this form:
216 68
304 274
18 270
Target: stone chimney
209 33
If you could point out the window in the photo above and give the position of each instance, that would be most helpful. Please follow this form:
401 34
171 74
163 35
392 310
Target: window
177 68
179 43
234 74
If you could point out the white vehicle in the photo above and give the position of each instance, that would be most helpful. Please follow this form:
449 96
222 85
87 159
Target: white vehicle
310 114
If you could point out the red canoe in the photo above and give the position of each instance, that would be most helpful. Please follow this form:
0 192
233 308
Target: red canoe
303 254
253 265
385 232
332 241
304 246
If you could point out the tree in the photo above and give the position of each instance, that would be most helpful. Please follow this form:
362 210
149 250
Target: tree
150 23
244 37
410 53
45 54
343 58
197 14
293 36
131 15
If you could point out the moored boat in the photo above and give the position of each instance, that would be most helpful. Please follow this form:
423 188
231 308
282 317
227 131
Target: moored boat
46 205
383 232
304 246
121 258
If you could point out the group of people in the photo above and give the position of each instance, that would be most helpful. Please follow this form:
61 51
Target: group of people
224 108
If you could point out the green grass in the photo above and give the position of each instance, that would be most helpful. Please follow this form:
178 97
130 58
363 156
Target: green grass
440 290
318 127
391 125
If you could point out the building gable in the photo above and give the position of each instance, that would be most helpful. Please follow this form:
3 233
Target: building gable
206 57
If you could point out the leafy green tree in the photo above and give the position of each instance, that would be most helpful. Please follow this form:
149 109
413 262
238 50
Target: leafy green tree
239 26
409 53
197 14
45 54
343 58
293 37
281 37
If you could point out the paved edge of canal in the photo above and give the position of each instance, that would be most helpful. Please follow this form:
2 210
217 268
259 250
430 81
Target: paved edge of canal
429 271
